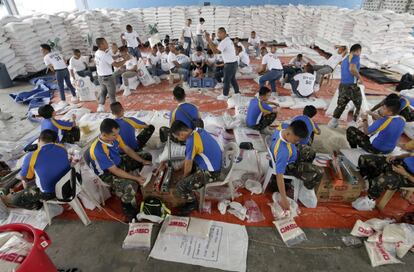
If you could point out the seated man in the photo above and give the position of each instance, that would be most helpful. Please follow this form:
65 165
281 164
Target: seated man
383 135
78 65
130 71
329 66
41 170
185 112
164 59
271 69
203 158
154 62
198 60
290 161
67 132
243 60
175 66
105 159
405 107
239 43
387 173
302 83
308 113
183 59
259 114
127 127
295 66
219 72
211 60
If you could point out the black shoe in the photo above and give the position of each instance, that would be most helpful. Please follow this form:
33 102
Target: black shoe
187 208
130 211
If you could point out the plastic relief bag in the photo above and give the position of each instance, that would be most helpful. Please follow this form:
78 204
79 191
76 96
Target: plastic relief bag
289 231
400 234
379 224
379 255
362 229
13 253
253 212
175 225
139 236
277 210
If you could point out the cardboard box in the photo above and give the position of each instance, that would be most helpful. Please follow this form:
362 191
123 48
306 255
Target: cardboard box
170 199
331 189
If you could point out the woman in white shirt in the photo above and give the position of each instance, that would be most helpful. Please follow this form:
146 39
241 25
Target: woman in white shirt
187 37
55 63
302 83
199 33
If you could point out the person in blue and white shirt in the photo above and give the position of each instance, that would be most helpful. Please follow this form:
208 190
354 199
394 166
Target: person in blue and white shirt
313 129
289 160
406 107
41 170
383 135
260 114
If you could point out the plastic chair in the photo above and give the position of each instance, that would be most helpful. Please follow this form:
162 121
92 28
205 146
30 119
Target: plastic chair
328 78
67 193
295 181
231 151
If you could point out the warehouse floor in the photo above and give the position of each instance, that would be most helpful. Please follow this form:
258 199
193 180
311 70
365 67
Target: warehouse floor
98 248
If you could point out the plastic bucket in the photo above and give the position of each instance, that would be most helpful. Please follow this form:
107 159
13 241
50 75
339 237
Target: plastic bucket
37 260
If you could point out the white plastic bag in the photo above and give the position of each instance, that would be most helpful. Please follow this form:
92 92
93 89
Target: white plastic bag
199 228
379 224
238 210
16 249
143 75
175 225
362 229
289 231
139 236
364 204
400 234
253 212
222 206
254 186
177 151
379 255
85 89
307 197
277 210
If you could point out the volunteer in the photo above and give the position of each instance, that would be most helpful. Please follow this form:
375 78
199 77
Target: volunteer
104 63
271 69
131 39
228 53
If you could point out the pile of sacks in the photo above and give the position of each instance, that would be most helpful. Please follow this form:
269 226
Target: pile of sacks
60 34
385 240
14 65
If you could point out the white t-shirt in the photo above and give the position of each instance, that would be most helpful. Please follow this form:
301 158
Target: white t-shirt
171 59
334 60
182 58
211 59
306 82
164 62
216 41
227 50
131 38
103 60
255 42
77 64
272 62
196 58
129 65
219 58
187 31
55 59
154 60
200 29
243 57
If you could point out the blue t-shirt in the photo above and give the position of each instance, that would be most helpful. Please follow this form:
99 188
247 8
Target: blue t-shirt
102 156
127 127
385 132
186 113
204 150
310 125
409 161
283 153
57 126
346 76
405 102
255 111
48 164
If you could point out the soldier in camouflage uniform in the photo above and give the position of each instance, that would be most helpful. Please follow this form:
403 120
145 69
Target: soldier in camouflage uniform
105 159
304 169
389 173
348 88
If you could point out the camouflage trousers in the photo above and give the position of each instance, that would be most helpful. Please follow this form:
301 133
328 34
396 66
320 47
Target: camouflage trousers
71 136
348 92
380 175
357 138
408 114
193 182
144 136
125 189
265 121
303 168
30 197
